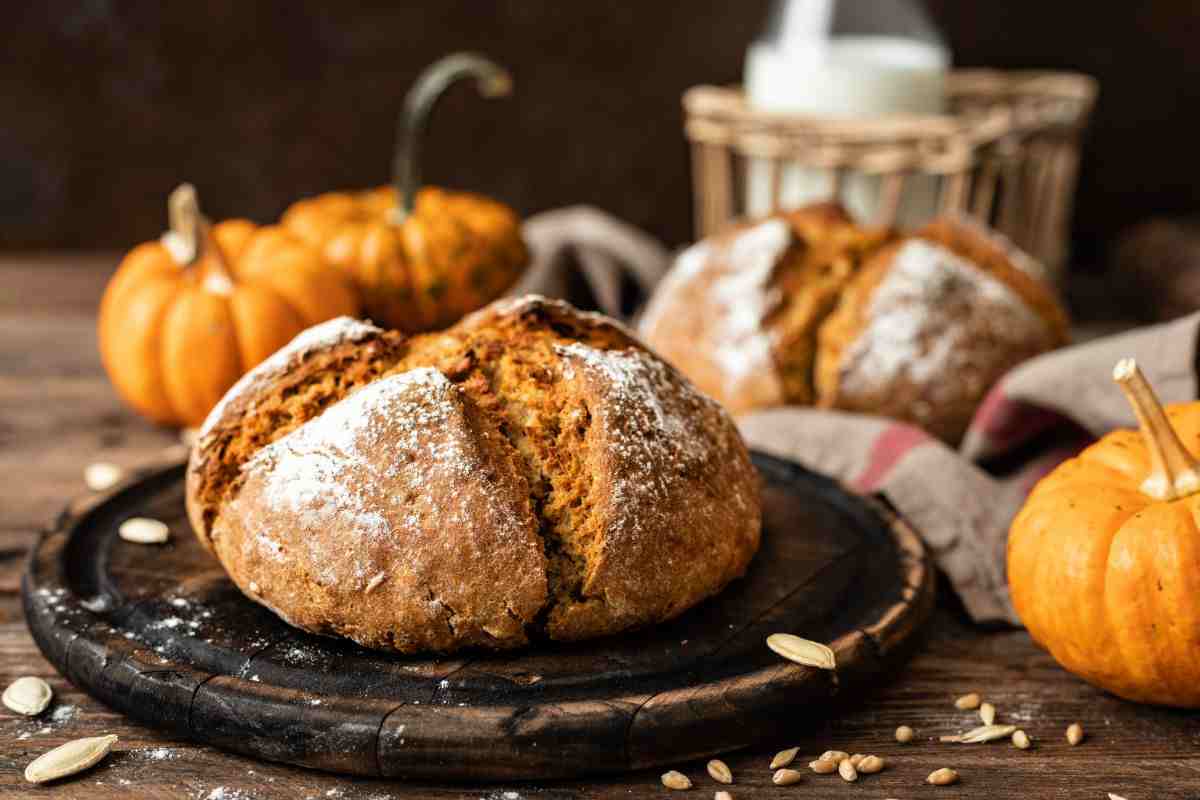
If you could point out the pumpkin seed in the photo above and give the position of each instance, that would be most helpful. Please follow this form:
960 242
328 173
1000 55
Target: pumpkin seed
836 756
942 777
102 475
68 759
785 777
719 771
676 780
847 771
987 713
28 696
904 734
722 796
802 651
822 766
870 765
987 733
144 530
968 702
1074 733
1020 740
784 757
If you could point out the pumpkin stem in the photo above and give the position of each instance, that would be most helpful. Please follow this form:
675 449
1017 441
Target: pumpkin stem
190 239
491 80
1173 470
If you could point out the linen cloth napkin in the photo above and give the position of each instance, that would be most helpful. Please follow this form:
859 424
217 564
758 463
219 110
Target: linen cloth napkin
961 501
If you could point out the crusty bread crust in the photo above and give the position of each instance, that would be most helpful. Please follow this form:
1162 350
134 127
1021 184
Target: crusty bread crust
532 472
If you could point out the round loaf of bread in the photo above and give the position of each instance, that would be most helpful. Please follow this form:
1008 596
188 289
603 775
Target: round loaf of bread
807 308
532 472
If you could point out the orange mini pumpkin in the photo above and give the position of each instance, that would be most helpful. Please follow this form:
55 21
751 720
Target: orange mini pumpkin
420 259
1104 558
186 316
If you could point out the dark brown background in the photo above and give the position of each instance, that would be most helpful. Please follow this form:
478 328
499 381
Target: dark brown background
107 105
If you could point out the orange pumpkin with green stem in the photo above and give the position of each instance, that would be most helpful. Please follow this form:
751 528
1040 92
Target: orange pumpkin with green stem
421 259
1104 558
185 316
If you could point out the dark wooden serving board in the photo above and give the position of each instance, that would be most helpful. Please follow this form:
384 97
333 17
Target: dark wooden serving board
159 633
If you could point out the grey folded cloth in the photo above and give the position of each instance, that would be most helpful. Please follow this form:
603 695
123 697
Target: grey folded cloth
962 501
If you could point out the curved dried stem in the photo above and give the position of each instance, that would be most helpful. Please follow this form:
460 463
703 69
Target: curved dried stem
491 80
190 238
1174 472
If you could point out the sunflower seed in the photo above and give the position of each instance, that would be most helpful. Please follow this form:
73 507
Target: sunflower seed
904 734
722 796
676 780
987 713
847 771
67 759
967 702
1074 734
942 777
144 530
822 766
719 771
1020 740
802 651
28 696
836 756
786 777
987 733
784 757
871 764
102 475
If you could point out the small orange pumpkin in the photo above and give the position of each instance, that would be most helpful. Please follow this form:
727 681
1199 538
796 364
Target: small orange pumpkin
186 316
1104 558
420 259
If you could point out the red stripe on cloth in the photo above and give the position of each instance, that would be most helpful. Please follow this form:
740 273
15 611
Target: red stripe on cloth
887 449
1005 422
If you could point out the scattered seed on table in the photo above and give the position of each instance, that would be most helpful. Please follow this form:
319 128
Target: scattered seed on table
802 651
855 759
836 756
786 777
847 770
143 530
942 777
719 771
904 734
823 766
1020 740
676 780
987 713
68 759
968 702
722 796
871 764
784 757
1074 733
28 696
102 475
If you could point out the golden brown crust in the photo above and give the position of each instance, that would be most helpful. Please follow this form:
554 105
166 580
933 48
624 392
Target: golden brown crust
738 313
929 325
596 489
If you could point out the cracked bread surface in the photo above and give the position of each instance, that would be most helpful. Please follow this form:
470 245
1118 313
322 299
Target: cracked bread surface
532 472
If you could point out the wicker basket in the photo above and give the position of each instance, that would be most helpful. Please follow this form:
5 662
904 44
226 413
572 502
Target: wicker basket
1007 153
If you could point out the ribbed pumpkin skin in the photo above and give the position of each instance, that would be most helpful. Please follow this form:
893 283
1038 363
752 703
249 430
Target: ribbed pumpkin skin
1107 578
454 254
173 339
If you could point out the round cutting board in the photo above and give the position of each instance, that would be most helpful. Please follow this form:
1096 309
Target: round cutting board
159 633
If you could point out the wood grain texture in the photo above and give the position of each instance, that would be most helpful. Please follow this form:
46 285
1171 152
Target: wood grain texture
1137 752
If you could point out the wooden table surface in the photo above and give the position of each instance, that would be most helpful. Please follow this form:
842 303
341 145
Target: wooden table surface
58 413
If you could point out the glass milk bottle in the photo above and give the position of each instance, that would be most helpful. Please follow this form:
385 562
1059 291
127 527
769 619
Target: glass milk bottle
845 59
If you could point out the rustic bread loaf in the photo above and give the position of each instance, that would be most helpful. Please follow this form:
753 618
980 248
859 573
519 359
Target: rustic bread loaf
806 307
531 472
